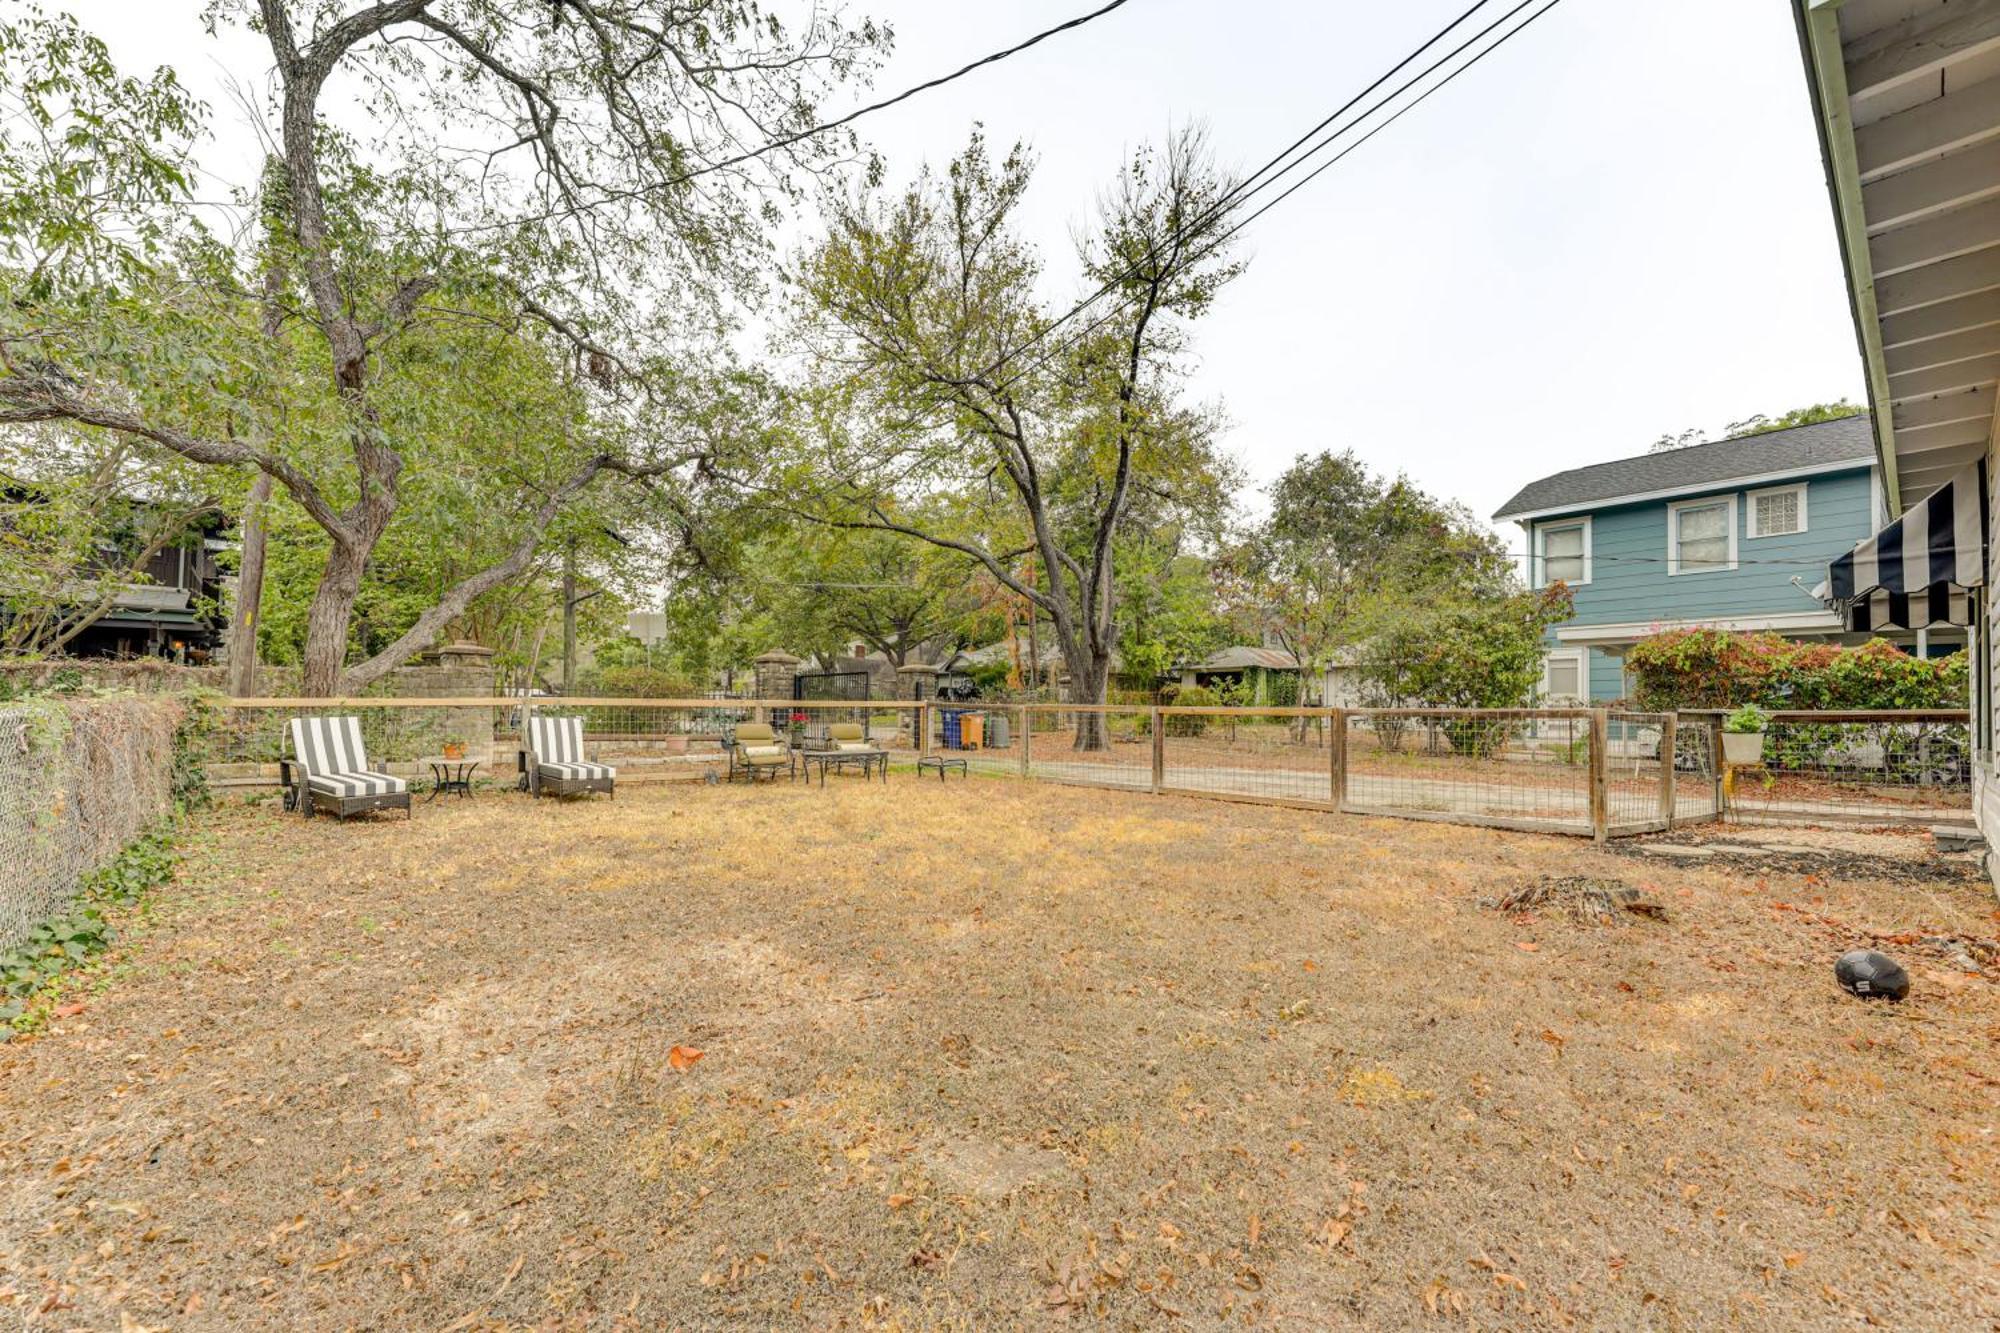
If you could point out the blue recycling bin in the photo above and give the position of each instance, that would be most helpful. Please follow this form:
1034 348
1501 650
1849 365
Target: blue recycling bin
953 737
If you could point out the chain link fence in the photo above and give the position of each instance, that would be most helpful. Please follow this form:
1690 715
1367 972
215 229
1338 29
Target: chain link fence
79 778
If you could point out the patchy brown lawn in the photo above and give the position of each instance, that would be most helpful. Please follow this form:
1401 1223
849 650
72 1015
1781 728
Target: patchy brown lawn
996 1055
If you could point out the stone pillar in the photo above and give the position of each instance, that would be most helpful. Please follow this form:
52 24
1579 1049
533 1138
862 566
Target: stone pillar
465 670
776 670
914 680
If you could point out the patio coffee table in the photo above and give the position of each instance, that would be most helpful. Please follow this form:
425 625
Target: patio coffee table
826 759
450 775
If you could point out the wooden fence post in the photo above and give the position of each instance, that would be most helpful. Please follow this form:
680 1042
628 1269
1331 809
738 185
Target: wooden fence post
1669 788
924 729
1159 753
1027 734
1336 746
1600 774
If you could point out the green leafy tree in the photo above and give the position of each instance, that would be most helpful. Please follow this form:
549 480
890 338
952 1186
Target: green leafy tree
580 179
1760 424
1346 555
941 374
1169 612
1470 655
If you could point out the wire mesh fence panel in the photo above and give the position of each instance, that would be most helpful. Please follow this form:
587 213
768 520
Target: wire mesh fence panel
1697 771
1635 763
1106 745
1280 754
398 736
1558 770
644 739
988 738
1517 768
1854 767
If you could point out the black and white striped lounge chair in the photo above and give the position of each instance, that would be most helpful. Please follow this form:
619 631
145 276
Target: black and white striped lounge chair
554 764
329 771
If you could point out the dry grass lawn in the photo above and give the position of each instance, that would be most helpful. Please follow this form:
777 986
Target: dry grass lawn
998 1055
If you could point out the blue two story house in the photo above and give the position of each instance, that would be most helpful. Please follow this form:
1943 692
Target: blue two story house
1734 534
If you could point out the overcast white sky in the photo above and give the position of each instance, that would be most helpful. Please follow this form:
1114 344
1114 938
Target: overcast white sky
1613 228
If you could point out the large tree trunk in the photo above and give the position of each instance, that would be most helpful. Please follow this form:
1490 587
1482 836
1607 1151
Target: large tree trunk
249 593
328 618
1089 680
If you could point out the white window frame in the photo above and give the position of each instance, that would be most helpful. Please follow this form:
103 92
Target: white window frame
1580 656
1542 530
1674 533
1750 499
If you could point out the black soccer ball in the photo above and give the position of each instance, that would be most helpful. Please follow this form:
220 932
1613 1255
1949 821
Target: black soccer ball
1871 975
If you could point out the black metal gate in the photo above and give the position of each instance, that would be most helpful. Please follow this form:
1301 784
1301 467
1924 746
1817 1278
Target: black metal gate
841 685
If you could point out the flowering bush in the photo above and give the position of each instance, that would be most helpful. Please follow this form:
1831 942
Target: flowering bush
1710 668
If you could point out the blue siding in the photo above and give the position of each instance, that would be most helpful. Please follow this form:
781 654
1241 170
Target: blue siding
1629 583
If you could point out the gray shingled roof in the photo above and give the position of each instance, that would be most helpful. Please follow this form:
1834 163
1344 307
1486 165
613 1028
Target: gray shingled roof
1822 444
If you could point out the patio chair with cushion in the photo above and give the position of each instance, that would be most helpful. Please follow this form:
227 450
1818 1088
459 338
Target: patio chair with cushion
329 771
851 738
757 750
554 764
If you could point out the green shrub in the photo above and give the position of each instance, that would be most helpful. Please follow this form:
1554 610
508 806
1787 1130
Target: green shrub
1708 668
638 681
1189 696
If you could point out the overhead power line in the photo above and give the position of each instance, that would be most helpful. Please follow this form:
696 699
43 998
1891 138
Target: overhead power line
1236 199
787 140
1245 187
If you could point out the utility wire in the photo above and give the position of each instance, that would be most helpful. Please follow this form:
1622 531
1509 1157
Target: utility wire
1210 247
904 96
1244 188
788 140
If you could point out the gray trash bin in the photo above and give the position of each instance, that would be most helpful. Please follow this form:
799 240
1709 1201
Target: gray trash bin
996 731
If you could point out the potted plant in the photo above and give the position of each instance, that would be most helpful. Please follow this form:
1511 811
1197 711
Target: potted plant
454 748
1743 735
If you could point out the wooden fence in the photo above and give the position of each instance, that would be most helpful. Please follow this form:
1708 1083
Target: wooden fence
1597 773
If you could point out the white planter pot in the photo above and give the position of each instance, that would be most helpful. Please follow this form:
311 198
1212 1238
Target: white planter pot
1742 747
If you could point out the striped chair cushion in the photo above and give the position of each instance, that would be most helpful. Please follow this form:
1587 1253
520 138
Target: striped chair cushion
555 740
569 772
330 751
344 785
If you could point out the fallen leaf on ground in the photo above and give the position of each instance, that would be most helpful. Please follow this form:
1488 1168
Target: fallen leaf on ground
683 1057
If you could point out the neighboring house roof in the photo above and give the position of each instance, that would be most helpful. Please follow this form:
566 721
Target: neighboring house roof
1242 658
1846 442
1000 652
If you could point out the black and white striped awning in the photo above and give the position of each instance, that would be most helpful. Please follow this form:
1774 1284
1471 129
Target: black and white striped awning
1916 572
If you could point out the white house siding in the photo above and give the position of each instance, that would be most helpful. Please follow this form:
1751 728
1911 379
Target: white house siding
1985 781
